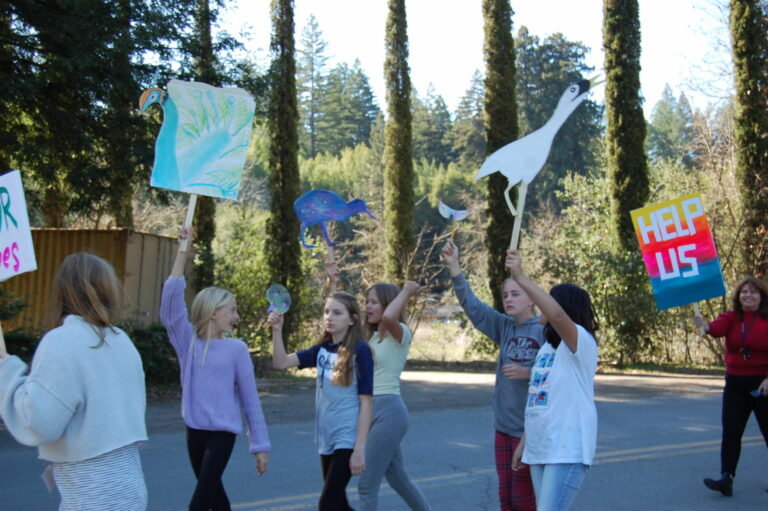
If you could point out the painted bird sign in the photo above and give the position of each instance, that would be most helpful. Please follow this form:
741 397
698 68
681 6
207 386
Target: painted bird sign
203 141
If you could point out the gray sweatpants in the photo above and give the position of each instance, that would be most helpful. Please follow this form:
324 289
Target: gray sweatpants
383 457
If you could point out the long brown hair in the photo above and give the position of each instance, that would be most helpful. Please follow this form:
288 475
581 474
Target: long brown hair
385 293
762 288
342 372
86 285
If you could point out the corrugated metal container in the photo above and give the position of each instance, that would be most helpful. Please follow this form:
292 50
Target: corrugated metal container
142 263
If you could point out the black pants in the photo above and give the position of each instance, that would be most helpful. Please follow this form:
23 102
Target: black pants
336 475
738 405
209 453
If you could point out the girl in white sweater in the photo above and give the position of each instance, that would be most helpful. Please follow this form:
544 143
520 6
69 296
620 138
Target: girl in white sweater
83 402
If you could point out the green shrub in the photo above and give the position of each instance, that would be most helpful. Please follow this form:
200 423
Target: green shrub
157 354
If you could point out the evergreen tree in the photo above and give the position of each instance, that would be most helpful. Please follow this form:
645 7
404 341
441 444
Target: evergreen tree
347 109
282 237
627 164
398 152
749 38
311 78
544 69
501 129
626 125
670 132
467 135
205 212
431 124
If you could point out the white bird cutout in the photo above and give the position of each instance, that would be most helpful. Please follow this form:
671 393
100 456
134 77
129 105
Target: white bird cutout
522 159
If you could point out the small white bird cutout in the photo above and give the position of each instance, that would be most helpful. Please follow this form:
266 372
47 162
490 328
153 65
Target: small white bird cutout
455 215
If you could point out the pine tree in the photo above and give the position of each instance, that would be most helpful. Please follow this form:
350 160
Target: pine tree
431 124
311 78
749 38
501 129
398 153
282 240
467 135
626 124
670 132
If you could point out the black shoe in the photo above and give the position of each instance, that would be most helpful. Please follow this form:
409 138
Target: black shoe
724 485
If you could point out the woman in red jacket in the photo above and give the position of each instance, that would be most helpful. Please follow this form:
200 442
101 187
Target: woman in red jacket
745 329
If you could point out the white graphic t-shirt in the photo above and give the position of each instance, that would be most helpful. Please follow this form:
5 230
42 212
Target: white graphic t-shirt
560 413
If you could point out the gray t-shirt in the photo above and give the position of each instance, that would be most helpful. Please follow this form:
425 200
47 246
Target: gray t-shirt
518 343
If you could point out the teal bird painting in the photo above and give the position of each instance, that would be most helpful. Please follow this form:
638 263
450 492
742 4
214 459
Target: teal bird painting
203 141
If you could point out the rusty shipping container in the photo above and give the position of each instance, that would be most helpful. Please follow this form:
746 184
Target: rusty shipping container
142 263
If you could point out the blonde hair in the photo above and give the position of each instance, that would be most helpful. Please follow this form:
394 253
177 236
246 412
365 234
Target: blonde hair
342 371
86 286
204 306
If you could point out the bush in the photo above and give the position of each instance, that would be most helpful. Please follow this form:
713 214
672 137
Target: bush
157 355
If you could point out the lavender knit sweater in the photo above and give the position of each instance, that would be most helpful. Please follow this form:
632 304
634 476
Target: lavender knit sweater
212 393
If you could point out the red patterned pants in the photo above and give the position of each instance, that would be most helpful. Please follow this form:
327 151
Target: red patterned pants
515 487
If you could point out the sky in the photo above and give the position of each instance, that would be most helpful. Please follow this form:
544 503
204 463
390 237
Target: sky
683 41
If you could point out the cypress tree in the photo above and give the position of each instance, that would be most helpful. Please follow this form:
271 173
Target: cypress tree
625 135
627 163
282 240
749 38
398 148
501 129
205 212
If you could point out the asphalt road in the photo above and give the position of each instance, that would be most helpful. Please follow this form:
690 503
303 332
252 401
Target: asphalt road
658 437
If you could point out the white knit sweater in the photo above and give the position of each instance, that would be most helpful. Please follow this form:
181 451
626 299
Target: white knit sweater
78 401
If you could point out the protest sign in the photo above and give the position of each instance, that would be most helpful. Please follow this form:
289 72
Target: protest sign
679 251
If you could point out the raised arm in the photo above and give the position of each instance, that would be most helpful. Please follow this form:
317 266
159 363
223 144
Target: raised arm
390 318
332 270
450 254
280 360
550 309
181 254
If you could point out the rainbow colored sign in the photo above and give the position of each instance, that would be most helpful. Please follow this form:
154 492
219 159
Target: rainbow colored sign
679 252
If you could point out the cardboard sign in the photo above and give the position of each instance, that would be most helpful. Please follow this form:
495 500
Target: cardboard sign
678 251
17 254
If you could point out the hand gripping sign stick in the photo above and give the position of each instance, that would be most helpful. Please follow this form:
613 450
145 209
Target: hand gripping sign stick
188 220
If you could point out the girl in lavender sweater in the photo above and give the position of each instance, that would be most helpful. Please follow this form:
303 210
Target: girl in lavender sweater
217 381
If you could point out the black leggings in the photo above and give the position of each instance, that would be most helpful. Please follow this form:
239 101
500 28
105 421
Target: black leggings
209 453
336 475
738 405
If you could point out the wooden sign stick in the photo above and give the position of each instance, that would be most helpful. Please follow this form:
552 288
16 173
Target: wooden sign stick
697 311
188 221
521 192
2 342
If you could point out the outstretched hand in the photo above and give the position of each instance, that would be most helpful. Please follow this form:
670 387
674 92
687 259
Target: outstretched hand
450 255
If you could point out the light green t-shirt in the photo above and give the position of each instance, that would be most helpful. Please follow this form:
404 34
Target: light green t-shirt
389 358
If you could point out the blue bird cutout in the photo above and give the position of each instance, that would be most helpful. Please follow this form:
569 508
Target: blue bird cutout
320 206
202 144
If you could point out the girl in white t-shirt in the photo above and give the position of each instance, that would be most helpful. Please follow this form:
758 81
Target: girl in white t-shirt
560 415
